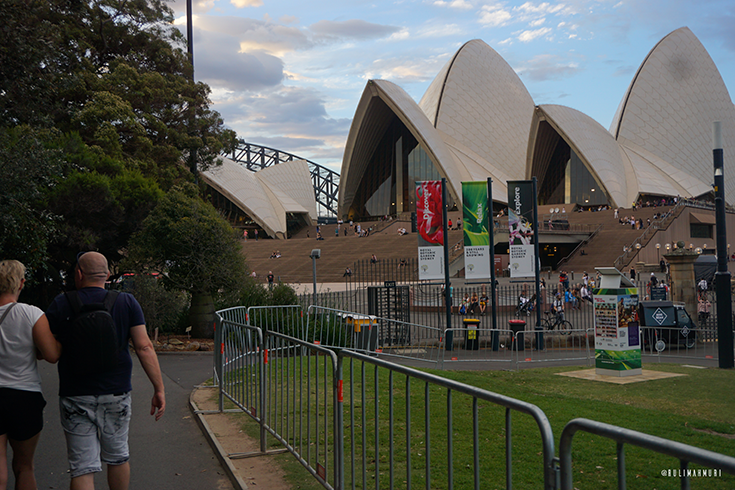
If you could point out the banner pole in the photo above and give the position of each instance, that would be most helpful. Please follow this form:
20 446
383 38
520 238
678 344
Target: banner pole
447 283
491 226
537 266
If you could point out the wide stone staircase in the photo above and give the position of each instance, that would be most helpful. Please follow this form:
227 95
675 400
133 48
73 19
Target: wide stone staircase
337 253
608 242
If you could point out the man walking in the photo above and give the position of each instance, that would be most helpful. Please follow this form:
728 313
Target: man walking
94 403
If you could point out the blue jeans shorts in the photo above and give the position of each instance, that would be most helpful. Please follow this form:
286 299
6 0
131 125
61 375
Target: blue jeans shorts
96 429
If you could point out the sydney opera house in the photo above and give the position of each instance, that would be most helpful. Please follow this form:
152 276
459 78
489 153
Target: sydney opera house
477 120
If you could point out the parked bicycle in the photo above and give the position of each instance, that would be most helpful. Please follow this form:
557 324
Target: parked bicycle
557 322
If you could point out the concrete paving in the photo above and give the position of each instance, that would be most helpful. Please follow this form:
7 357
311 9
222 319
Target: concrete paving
169 454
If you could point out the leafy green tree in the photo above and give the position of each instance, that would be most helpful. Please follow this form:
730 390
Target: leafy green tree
108 84
162 307
116 72
29 166
194 248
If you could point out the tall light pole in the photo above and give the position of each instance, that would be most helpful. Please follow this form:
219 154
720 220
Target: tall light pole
190 36
722 276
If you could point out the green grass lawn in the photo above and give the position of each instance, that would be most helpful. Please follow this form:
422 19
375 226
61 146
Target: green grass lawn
696 409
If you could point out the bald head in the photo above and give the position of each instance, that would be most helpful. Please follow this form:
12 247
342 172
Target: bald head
92 270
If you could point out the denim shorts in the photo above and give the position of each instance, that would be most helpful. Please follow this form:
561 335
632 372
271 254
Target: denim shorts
96 429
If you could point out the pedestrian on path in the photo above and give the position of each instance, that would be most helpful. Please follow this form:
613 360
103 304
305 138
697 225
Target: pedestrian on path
94 395
25 331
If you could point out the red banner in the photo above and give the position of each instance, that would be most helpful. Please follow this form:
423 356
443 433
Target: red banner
429 211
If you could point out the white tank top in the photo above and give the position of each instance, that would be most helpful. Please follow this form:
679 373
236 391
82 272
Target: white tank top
18 368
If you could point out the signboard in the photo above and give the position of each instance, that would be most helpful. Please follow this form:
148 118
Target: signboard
617 332
430 224
520 223
658 294
475 225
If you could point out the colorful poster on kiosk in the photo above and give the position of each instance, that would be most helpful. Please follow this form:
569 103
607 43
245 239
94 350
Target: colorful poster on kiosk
430 224
617 332
475 227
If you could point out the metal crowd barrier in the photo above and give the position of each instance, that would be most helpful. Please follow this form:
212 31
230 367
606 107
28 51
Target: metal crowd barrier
287 385
683 452
284 319
517 347
552 345
666 343
370 334
295 389
366 455
478 345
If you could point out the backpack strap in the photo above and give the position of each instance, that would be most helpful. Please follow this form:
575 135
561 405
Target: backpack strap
110 299
76 304
7 311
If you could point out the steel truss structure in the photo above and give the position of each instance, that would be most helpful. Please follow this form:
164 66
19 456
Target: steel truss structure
325 181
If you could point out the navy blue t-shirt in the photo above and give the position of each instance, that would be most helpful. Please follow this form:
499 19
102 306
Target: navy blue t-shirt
126 313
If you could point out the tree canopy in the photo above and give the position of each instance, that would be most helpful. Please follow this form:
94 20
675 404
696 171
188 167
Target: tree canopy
99 117
186 240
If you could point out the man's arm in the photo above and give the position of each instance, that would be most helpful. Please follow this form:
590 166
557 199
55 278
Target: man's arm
148 359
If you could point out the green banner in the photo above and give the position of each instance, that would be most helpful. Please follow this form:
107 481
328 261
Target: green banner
475 225
475 214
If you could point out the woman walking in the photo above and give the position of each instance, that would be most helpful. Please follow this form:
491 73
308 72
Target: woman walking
24 336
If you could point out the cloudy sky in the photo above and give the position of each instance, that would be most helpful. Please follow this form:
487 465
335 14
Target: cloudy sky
288 74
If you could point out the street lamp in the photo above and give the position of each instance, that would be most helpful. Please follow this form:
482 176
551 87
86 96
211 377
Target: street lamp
658 252
315 254
668 247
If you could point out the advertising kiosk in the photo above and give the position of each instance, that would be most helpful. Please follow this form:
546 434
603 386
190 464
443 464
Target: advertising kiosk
617 330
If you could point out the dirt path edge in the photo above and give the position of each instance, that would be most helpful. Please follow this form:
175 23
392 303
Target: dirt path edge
217 448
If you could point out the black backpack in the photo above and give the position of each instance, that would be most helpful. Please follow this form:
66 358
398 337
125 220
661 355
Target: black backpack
92 345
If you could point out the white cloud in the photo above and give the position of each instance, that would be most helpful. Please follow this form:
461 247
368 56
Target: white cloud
255 35
400 35
528 36
246 3
352 29
439 30
288 118
537 22
220 61
405 69
540 9
288 19
548 67
494 15
455 4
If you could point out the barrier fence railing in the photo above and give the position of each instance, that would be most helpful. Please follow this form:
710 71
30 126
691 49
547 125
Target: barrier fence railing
426 304
683 452
295 390
289 386
666 343
302 390
381 413
371 334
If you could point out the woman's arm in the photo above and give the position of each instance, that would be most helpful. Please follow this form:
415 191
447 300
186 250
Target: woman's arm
48 347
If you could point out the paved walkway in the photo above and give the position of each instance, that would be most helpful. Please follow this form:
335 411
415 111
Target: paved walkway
170 454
